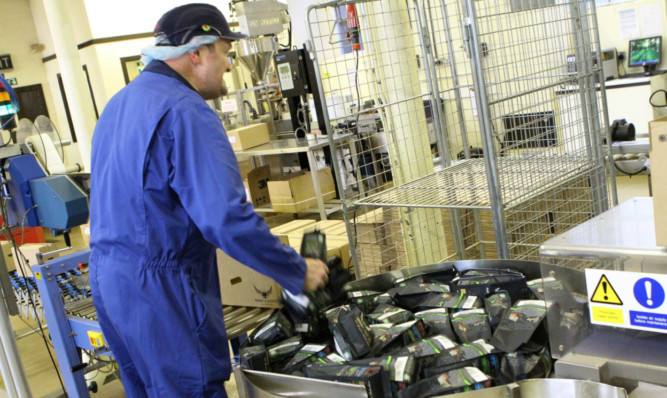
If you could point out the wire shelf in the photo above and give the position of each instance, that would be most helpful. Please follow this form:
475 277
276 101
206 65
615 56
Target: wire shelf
464 185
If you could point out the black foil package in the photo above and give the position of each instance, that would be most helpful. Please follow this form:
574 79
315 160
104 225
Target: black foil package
485 282
573 326
521 365
553 290
409 295
254 358
384 298
397 336
519 324
401 369
329 359
276 328
352 336
437 322
460 380
471 325
496 305
307 354
374 378
478 354
428 347
411 280
386 313
364 300
280 353
305 309
332 315
455 301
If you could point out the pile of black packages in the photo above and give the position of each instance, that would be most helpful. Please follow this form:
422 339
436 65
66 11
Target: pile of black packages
402 370
452 382
479 354
352 336
471 325
374 378
427 335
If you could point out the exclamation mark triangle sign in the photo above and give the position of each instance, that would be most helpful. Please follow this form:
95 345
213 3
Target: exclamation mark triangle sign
605 294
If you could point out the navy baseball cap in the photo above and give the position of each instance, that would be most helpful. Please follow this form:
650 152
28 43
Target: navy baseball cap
182 23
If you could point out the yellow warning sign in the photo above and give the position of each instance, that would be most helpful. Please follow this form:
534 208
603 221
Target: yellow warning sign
607 315
605 294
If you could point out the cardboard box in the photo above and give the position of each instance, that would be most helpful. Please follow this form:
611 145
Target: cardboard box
8 255
284 230
248 136
295 192
658 156
256 187
243 286
323 226
29 251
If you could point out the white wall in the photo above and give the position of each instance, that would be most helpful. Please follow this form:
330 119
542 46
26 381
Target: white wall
125 17
610 32
17 33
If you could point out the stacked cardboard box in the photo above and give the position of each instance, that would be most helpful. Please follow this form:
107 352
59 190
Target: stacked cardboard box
338 244
379 242
295 192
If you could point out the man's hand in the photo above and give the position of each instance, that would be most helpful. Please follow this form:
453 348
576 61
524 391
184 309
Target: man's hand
317 274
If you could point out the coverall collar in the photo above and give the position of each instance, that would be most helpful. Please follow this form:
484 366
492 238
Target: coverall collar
160 67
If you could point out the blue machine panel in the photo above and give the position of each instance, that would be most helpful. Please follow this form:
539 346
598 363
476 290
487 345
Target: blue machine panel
60 203
22 169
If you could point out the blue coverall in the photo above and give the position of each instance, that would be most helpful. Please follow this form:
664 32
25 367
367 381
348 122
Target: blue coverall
165 192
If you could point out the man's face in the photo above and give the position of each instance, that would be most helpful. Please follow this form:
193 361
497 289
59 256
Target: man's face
215 62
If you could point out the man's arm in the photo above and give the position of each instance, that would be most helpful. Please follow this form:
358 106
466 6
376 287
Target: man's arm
206 178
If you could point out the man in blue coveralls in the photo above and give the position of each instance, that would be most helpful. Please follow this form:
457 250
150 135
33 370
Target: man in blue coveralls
166 191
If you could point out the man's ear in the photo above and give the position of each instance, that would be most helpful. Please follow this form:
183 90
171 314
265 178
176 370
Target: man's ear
195 56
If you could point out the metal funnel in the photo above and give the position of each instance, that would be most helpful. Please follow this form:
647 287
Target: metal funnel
256 54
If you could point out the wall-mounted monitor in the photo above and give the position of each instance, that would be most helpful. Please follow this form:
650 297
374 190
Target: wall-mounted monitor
646 52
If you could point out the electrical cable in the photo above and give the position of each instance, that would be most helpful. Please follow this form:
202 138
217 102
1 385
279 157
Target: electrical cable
289 33
23 223
627 173
650 99
21 261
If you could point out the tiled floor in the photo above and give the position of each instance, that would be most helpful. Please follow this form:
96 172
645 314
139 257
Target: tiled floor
42 378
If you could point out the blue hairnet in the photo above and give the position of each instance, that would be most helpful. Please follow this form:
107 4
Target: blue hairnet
163 52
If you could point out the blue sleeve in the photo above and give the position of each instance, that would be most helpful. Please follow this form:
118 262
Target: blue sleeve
206 178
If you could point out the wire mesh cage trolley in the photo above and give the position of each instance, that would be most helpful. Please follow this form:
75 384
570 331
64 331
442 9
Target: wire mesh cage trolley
474 135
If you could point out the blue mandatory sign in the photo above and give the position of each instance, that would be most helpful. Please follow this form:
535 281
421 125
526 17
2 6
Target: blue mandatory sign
649 293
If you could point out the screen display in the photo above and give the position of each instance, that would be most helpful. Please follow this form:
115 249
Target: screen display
645 51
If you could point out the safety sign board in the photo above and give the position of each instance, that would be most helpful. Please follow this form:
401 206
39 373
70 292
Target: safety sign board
631 300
